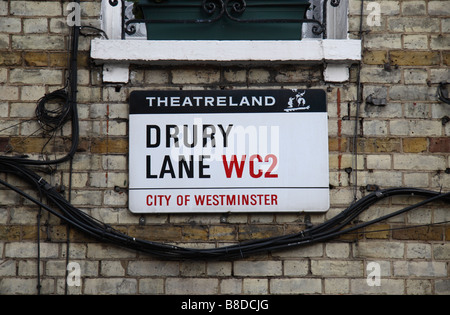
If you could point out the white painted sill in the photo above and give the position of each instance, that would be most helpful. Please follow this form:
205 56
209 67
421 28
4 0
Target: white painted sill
117 55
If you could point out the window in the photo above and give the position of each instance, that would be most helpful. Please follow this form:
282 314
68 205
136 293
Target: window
331 46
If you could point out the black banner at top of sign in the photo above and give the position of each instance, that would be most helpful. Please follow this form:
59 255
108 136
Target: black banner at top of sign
228 101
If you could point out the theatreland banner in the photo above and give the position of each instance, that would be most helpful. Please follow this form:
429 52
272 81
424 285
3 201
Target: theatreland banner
228 151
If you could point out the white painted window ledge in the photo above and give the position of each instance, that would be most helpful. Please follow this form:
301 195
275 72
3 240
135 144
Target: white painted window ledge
117 55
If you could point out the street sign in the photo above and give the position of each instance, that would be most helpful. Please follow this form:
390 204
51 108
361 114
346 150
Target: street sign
228 151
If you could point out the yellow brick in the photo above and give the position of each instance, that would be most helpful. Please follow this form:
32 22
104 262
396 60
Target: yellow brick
249 232
336 144
58 59
415 145
377 231
10 58
191 233
36 59
227 233
375 57
9 233
109 146
414 58
34 145
156 233
378 145
446 57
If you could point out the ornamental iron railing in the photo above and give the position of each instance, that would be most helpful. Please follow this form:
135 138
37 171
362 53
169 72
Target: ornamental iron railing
218 9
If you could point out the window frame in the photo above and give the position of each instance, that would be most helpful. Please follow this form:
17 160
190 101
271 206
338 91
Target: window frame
337 52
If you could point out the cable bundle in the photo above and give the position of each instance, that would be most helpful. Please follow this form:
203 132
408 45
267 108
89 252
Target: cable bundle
328 230
53 119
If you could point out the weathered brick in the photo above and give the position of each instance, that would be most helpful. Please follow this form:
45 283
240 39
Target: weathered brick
156 233
259 231
387 7
379 249
414 58
29 250
144 268
96 286
415 128
375 57
255 286
34 145
195 76
109 146
375 127
4 41
414 41
439 75
337 286
337 144
441 251
337 268
383 41
418 162
258 76
414 145
377 231
9 93
419 233
8 58
415 76
418 287
440 41
36 76
441 144
194 233
10 232
106 251
388 286
414 7
235 75
438 7
46 42
192 286
10 25
26 286
295 286
442 287
380 75
257 268
219 232
378 162
32 93
36 59
35 25
231 286
377 145
4 144
420 269
446 57
58 59
36 8
414 24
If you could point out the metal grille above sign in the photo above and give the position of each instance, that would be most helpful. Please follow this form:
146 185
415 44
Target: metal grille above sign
228 151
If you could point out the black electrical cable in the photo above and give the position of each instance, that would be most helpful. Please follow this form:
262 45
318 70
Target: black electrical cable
442 93
333 228
52 119
83 222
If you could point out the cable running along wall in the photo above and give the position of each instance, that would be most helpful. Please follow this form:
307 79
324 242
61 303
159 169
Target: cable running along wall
62 208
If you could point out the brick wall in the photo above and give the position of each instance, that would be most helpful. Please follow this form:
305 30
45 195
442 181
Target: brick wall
401 144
